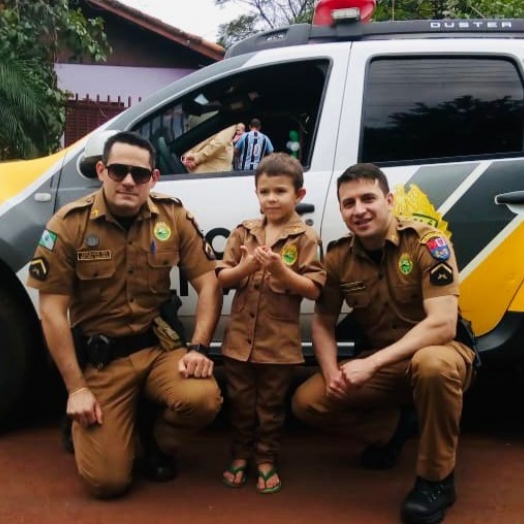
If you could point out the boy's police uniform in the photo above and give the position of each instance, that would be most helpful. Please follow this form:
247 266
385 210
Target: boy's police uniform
418 263
118 280
263 342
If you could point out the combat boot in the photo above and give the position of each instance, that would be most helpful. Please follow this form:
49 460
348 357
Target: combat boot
385 457
428 501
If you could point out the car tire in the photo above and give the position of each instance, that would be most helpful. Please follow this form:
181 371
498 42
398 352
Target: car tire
17 342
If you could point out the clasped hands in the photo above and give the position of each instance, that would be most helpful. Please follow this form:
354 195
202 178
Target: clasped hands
350 375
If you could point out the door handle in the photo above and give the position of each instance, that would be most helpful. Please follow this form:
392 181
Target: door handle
513 198
301 209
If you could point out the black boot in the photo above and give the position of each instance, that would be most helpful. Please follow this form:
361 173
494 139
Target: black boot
156 465
427 502
385 457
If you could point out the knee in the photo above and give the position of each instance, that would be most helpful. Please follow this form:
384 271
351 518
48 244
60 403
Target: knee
201 407
107 485
429 365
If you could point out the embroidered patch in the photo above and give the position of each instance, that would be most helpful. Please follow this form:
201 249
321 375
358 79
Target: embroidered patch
95 213
438 247
162 231
39 268
405 264
89 256
92 241
48 239
289 254
441 274
208 250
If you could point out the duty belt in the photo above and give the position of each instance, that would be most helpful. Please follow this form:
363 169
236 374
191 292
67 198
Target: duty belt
101 349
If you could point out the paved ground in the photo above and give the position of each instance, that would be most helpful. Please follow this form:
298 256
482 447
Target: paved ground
321 477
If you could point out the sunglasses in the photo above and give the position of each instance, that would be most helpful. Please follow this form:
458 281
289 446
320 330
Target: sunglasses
117 172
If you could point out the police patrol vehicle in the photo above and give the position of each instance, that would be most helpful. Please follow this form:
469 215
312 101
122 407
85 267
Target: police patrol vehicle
438 105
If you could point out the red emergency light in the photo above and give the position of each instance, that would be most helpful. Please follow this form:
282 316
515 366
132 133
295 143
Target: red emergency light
328 12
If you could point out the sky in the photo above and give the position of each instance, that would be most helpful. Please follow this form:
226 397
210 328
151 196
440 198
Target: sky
198 17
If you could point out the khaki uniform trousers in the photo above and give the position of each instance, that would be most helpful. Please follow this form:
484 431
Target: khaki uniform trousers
105 453
434 380
257 395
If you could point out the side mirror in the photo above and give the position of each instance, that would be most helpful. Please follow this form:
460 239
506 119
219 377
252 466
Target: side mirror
93 151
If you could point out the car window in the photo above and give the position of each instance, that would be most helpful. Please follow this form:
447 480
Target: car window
424 108
287 106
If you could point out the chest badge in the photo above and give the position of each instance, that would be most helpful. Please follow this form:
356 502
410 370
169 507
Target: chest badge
92 241
289 254
405 264
162 231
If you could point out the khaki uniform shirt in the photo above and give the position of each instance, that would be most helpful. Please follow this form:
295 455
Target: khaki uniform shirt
387 298
117 279
216 153
265 316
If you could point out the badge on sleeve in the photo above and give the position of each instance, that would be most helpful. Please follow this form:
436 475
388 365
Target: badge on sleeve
438 247
48 239
39 268
441 274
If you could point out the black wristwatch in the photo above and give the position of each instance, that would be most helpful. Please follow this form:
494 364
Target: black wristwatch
199 348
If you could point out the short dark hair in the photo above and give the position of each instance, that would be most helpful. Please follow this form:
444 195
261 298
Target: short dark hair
366 171
131 138
278 164
255 122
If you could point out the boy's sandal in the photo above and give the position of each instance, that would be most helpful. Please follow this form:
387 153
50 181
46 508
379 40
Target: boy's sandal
265 477
234 471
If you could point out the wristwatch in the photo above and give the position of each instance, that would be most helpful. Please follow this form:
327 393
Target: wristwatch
199 348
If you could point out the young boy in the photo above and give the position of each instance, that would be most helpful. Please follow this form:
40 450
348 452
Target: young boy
272 262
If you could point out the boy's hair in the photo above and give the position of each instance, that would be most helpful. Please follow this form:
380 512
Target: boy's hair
366 171
132 139
278 164
255 122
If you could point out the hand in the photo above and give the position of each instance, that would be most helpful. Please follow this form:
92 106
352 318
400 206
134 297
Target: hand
335 385
189 162
269 260
194 364
358 371
83 407
248 260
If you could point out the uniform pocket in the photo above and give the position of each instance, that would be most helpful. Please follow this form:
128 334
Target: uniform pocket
282 305
159 267
357 299
95 279
407 293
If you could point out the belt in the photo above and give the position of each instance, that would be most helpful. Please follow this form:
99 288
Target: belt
126 345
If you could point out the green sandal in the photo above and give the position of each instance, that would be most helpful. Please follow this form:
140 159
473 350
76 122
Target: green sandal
239 469
265 477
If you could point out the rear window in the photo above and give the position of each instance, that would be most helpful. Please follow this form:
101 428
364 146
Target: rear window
437 108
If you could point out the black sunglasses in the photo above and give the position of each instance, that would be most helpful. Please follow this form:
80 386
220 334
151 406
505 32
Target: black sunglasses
117 172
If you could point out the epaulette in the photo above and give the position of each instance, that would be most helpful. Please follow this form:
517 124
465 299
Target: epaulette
163 198
81 203
339 241
250 224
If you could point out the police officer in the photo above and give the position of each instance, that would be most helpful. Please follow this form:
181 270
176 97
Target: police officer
400 279
103 266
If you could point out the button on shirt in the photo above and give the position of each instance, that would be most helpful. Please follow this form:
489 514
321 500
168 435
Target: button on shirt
265 316
387 298
118 278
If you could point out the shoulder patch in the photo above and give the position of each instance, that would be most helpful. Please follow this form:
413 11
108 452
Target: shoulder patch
39 268
441 274
338 241
160 197
437 246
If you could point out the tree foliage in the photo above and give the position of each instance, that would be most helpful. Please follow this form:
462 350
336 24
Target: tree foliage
263 14
270 14
31 34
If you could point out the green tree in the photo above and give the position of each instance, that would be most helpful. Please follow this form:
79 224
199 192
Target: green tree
262 15
31 34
